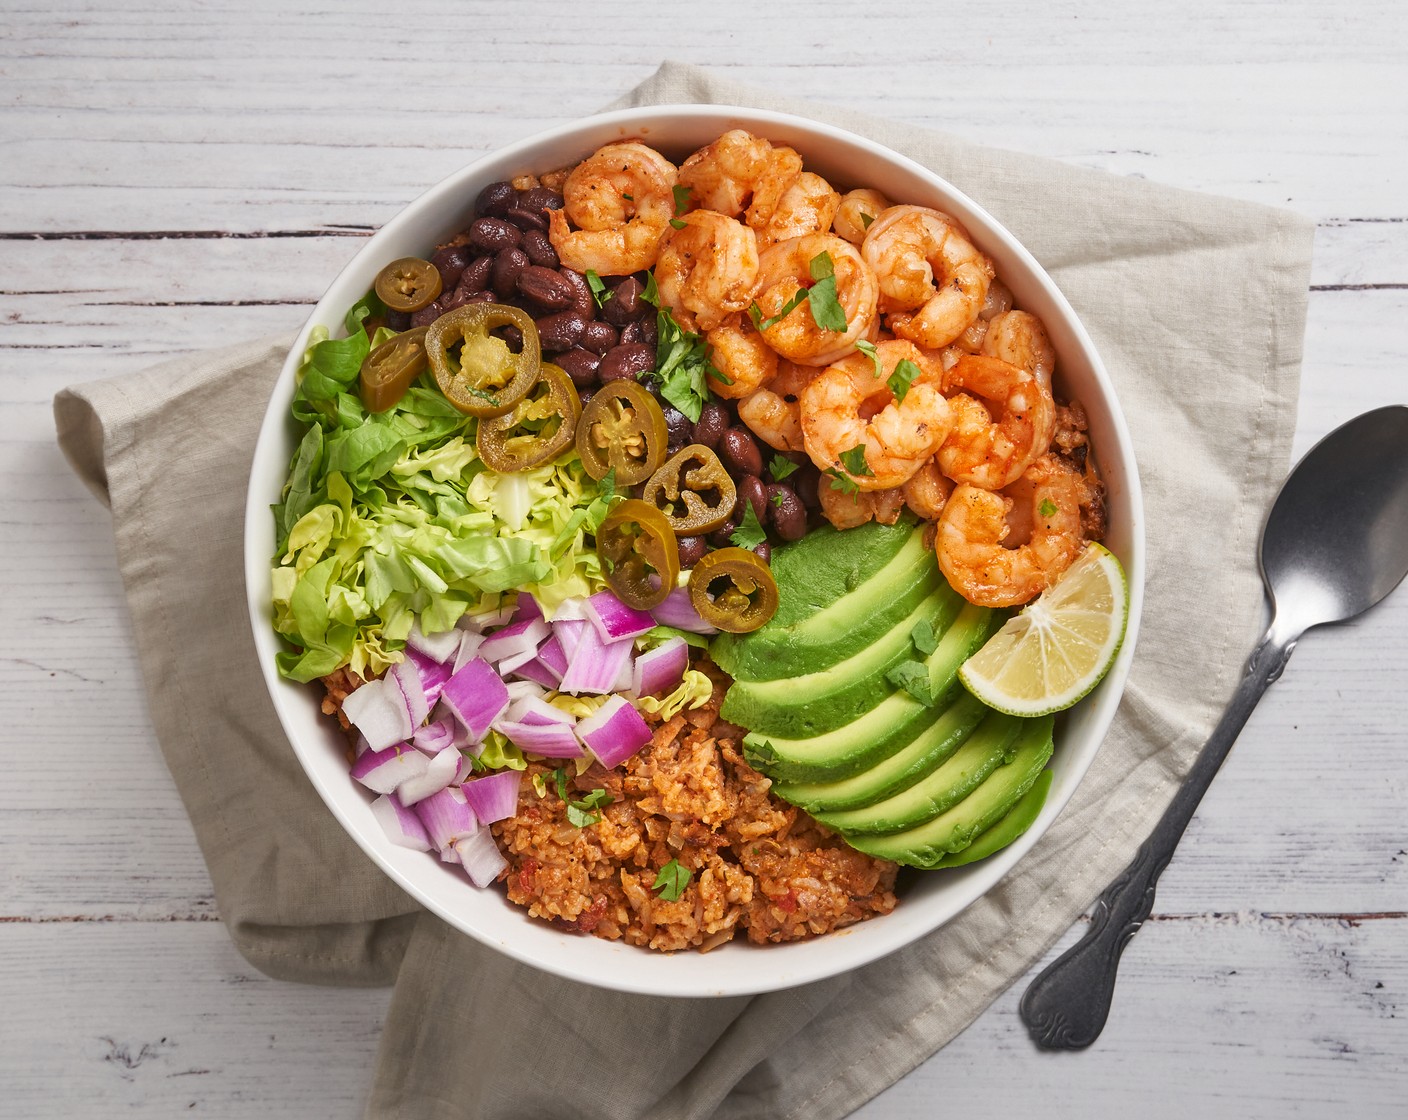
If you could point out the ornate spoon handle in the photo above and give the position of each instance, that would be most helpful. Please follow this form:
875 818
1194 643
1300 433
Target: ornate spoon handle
1065 1008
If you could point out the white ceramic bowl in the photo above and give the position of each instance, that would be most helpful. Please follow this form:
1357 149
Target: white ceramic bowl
847 161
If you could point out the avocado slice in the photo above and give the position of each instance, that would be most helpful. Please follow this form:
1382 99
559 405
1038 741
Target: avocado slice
835 632
919 758
956 827
813 703
886 728
827 563
1017 820
949 783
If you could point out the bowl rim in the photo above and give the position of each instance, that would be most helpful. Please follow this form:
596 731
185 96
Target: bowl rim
788 966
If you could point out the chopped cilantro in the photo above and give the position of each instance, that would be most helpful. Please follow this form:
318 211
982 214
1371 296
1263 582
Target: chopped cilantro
600 292
651 295
672 880
681 199
677 223
905 372
778 498
913 677
749 533
580 812
868 349
843 482
627 197
923 637
756 313
560 777
866 219
780 467
760 753
1047 508
826 306
854 462
682 365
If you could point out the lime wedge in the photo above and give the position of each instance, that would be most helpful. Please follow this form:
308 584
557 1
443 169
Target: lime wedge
1056 650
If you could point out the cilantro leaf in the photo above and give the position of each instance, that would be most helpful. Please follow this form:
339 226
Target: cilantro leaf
756 313
923 637
600 292
854 462
681 199
749 533
905 372
868 349
560 777
677 223
825 304
672 880
843 482
627 197
778 498
866 219
682 365
913 677
1047 508
651 295
580 813
780 468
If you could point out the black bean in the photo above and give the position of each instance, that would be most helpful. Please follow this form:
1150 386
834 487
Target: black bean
526 218
427 314
599 337
546 288
540 198
763 550
493 235
539 249
678 427
645 326
626 360
559 331
398 320
752 491
805 483
507 266
711 425
581 366
625 303
719 538
511 335
692 550
582 301
481 297
476 274
450 263
458 298
584 397
496 198
786 513
739 452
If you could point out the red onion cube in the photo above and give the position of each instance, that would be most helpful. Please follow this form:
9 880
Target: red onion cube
476 695
569 636
407 677
526 608
401 825
534 709
550 740
512 664
614 732
614 620
679 612
514 639
551 654
481 858
594 666
468 651
433 674
382 771
434 647
493 797
535 671
570 610
447 817
439 773
435 736
660 669
378 710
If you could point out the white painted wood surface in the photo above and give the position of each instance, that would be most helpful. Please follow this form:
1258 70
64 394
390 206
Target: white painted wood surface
176 175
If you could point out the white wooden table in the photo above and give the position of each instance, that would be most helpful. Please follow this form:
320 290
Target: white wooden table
179 175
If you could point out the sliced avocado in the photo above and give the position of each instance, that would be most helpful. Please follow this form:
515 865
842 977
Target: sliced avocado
956 827
837 631
886 728
813 703
827 563
949 783
931 747
1016 821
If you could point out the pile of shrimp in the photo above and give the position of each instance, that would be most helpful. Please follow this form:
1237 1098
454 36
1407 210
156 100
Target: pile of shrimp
975 442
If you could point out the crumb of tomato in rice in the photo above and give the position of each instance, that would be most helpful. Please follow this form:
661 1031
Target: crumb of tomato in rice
758 866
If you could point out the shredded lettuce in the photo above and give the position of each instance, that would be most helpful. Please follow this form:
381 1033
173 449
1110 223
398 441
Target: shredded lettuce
692 692
389 518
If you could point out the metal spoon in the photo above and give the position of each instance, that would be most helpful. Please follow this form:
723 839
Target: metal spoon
1334 544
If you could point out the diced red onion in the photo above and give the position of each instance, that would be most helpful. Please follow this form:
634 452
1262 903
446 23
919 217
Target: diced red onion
507 665
614 620
551 740
384 770
514 639
570 610
438 775
521 690
433 673
436 647
493 797
526 608
378 710
447 817
435 736
468 651
449 855
480 857
476 695
466 768
661 668
401 825
534 709
569 636
614 732
551 654
485 619
407 676
679 612
594 666
625 677
535 671
362 746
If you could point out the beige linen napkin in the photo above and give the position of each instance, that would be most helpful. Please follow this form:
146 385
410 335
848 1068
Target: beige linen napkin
1197 305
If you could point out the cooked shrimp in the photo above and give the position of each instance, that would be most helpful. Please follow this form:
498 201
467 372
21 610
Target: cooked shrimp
738 352
927 492
785 268
1018 337
620 198
846 511
999 300
857 211
807 206
974 526
773 412
850 405
706 269
933 281
740 175
992 452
